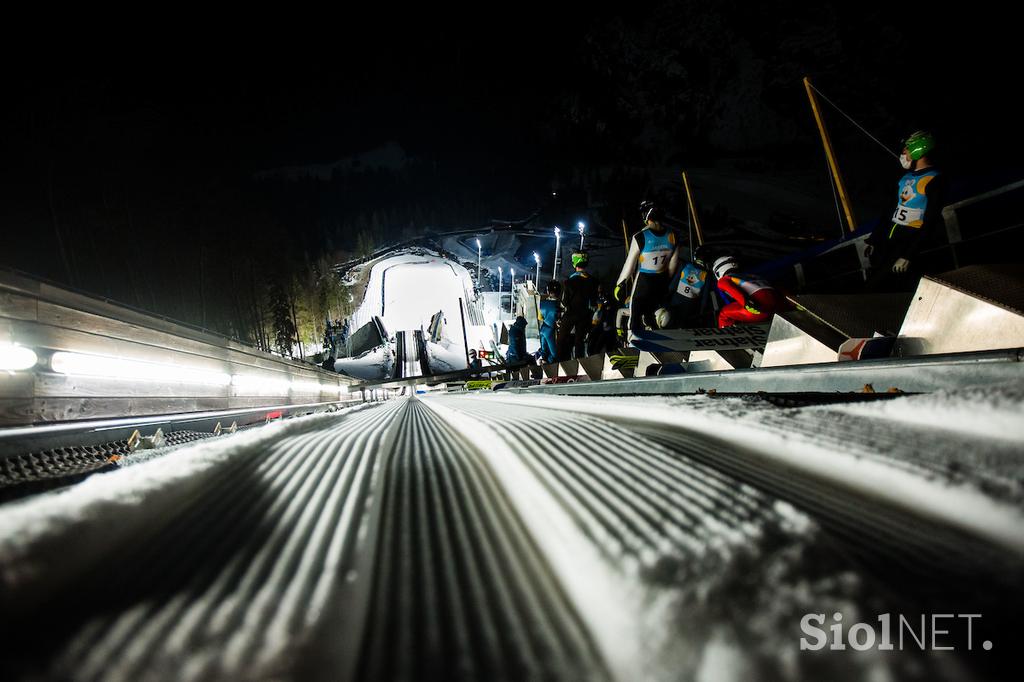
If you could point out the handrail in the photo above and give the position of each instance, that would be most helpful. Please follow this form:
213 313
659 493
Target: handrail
987 195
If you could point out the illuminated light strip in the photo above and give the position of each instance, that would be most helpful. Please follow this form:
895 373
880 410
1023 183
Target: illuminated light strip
81 364
306 387
14 358
261 385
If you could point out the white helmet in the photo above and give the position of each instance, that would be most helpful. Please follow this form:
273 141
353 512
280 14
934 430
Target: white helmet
663 316
724 266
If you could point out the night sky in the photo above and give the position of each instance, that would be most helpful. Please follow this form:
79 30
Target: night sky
127 147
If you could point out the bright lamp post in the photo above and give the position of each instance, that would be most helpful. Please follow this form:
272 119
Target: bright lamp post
582 228
536 258
558 239
478 253
512 292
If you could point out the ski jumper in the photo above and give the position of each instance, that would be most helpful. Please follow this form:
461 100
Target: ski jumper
579 298
654 260
752 300
918 214
689 294
547 317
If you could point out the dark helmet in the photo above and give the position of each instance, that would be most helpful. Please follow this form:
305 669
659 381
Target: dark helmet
649 211
703 256
554 287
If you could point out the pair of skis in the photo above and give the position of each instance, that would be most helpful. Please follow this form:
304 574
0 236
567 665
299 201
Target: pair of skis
752 336
706 338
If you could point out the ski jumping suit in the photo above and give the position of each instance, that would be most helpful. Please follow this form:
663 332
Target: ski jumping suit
547 317
753 300
654 259
688 295
579 298
918 212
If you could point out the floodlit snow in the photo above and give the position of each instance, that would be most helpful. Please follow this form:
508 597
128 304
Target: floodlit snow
106 508
446 356
989 412
373 364
963 507
679 571
712 589
406 290
414 292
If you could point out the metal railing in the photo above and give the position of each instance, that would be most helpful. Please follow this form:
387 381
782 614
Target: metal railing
95 359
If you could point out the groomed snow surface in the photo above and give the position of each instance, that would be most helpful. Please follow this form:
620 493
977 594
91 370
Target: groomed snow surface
720 597
677 568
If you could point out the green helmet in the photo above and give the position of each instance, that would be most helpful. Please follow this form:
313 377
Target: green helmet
919 144
579 260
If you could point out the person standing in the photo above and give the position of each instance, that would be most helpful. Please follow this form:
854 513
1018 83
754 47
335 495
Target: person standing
603 338
548 314
648 274
516 354
579 299
894 248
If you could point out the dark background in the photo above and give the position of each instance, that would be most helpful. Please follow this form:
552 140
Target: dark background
144 164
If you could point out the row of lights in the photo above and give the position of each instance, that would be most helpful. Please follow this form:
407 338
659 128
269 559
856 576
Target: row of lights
580 226
537 259
15 358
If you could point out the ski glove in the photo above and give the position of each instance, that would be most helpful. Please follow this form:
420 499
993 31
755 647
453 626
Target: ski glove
618 293
901 265
751 309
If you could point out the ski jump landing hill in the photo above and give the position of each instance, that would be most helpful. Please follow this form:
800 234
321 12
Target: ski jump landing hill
414 293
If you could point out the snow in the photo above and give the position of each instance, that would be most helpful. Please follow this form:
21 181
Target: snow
406 289
373 364
987 412
446 356
104 510
599 592
414 292
962 507
705 592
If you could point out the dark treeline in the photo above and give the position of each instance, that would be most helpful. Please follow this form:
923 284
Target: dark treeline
229 253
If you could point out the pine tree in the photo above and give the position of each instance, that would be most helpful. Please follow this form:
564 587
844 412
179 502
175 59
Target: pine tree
281 316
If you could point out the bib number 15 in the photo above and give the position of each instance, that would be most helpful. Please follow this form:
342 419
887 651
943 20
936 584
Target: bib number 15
907 216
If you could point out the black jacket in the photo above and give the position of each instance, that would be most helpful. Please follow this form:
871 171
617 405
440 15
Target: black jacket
579 296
